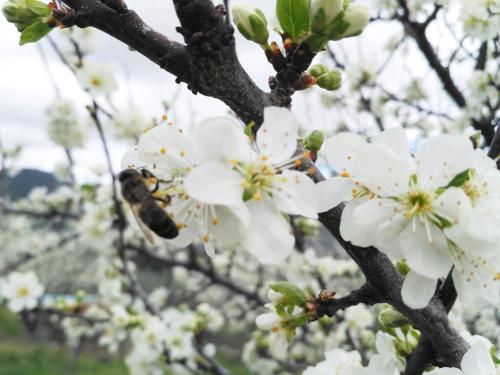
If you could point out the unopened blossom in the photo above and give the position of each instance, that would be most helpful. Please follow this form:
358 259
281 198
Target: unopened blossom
22 291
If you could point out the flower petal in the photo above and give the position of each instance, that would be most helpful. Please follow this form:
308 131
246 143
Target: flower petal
215 183
167 148
391 175
445 371
475 284
222 139
478 233
395 140
131 160
477 361
428 256
231 224
443 157
267 321
417 290
270 240
277 137
294 193
453 205
341 149
333 191
387 236
364 221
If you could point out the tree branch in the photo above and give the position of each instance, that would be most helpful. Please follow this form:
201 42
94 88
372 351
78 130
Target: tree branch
365 294
380 273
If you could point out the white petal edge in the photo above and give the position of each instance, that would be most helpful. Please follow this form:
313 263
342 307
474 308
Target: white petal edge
418 290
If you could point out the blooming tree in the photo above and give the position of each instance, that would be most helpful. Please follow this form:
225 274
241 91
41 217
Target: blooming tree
410 194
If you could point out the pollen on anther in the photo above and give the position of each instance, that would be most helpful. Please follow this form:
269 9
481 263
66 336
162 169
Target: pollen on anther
163 150
206 238
215 222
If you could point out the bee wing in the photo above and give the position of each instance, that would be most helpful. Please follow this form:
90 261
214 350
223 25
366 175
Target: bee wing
145 230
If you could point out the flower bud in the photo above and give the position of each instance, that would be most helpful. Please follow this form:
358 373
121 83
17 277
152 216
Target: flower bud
314 141
330 81
318 70
323 12
251 23
356 18
24 13
390 318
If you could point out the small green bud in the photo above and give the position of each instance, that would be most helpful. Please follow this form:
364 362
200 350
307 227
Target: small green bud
403 267
314 141
356 18
330 81
307 226
367 338
292 295
318 70
32 18
323 12
251 23
24 13
390 318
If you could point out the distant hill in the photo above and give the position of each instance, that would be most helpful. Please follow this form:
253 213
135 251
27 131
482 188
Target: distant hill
20 185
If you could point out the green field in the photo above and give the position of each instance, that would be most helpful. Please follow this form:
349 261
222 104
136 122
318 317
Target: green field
21 356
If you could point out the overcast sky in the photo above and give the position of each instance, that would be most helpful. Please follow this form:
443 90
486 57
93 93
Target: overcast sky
25 89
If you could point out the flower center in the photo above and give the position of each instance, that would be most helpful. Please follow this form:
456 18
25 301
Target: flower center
96 81
258 178
418 203
22 292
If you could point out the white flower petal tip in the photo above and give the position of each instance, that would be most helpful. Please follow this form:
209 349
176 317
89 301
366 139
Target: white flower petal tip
418 290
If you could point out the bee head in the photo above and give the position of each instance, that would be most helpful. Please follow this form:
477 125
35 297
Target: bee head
126 174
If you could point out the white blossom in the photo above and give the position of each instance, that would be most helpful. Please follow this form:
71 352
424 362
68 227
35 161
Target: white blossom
22 291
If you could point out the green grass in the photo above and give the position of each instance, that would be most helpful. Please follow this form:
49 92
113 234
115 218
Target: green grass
19 356
35 359
232 366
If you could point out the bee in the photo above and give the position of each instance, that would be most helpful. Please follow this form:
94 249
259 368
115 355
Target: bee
148 213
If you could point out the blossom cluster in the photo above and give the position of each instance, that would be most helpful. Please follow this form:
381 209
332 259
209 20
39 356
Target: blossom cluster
438 209
223 190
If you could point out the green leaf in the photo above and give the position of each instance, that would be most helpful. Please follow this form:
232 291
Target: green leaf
34 33
38 8
291 293
461 178
293 16
494 356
